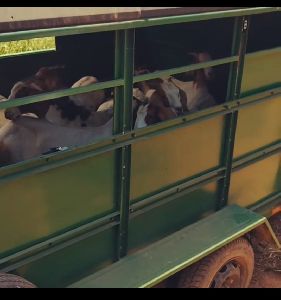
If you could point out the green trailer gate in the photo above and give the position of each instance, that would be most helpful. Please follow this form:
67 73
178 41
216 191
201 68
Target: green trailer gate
128 211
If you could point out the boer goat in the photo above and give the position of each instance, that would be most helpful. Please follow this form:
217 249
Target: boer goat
28 137
186 92
195 84
67 111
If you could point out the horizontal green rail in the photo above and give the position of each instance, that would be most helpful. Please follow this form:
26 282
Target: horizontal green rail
57 242
265 205
54 160
61 93
256 155
177 190
82 29
188 68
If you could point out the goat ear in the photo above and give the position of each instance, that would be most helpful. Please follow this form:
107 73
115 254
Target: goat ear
36 87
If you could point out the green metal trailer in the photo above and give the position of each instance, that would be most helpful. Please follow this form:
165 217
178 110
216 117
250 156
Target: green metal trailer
157 204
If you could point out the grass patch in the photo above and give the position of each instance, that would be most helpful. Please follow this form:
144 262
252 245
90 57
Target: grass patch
18 47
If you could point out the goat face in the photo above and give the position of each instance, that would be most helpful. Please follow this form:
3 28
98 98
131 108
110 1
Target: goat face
47 79
24 89
173 95
154 110
52 78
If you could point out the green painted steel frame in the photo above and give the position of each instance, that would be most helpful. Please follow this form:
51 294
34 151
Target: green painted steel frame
124 153
124 136
233 92
71 30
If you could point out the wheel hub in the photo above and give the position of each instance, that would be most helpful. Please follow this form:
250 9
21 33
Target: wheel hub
228 277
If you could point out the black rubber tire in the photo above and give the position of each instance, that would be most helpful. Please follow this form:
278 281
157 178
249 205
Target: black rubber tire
10 281
203 273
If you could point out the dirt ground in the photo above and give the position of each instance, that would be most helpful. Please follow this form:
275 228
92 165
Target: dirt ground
267 272
264 277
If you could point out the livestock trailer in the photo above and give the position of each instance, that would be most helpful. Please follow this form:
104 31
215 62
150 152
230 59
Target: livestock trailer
185 202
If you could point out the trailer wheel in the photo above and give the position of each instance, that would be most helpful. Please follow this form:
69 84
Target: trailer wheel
230 267
13 281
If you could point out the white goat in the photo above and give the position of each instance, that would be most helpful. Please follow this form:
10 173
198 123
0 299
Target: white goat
28 137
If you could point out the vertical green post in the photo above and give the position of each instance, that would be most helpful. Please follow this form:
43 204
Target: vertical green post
239 44
117 122
118 73
123 124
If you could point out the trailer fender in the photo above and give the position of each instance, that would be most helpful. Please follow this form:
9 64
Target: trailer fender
159 261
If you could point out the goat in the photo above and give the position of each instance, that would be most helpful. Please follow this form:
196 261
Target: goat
194 84
186 92
47 79
174 95
28 137
68 112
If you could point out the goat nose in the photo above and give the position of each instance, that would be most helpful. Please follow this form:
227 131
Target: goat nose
12 114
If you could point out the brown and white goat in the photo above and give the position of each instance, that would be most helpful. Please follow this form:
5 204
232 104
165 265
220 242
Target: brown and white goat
75 111
186 92
195 84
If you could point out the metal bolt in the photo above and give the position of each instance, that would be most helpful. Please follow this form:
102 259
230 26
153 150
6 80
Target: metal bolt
245 25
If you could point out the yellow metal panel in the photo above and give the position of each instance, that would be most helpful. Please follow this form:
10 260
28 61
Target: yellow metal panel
174 156
37 206
256 181
258 126
261 69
